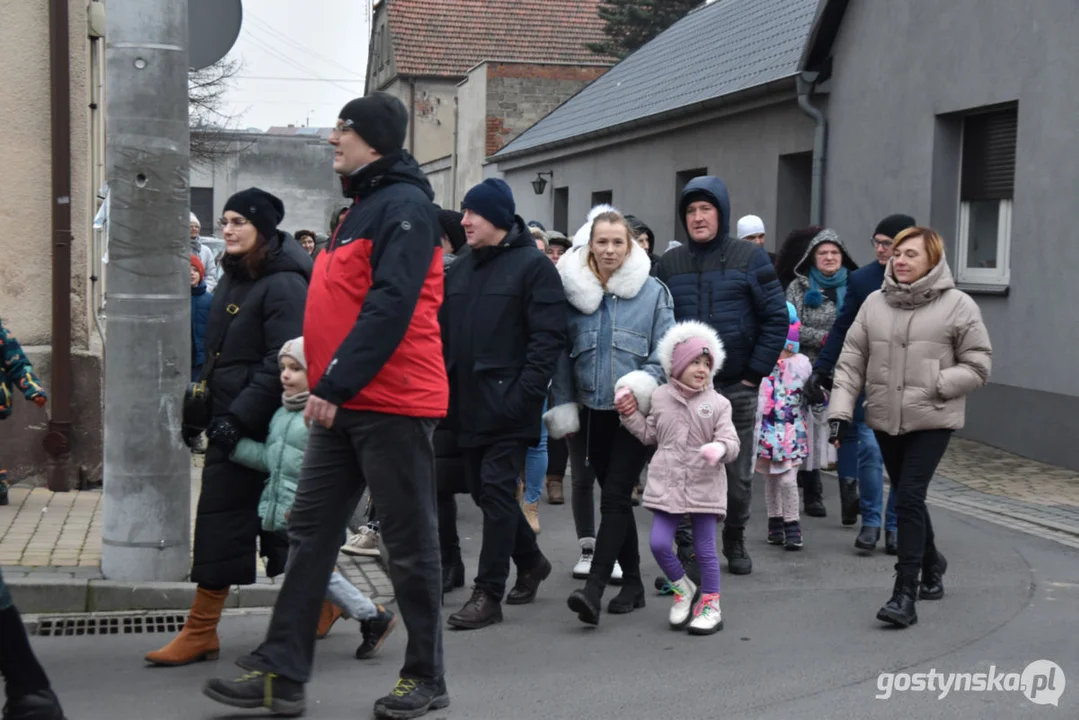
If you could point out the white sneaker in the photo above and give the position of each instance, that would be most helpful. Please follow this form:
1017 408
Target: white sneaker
707 618
685 593
365 543
616 574
584 562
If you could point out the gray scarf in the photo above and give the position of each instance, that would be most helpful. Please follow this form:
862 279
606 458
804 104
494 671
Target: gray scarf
296 402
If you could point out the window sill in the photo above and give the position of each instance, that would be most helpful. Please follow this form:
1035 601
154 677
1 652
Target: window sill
984 289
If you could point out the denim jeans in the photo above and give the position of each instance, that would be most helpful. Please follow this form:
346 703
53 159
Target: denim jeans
859 456
348 597
536 465
393 455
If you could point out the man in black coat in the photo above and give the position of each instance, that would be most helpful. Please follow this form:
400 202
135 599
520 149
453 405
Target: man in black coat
503 327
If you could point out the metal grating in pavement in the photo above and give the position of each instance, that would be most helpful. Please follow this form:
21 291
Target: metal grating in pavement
139 623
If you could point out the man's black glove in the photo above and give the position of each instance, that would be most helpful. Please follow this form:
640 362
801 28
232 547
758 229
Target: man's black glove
815 387
837 430
224 433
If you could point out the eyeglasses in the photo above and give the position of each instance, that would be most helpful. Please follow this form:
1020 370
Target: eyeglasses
240 222
880 244
340 130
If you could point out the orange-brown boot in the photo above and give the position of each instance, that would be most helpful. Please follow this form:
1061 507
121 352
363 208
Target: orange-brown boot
198 639
330 614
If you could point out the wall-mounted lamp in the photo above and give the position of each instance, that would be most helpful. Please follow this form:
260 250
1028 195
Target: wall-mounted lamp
539 184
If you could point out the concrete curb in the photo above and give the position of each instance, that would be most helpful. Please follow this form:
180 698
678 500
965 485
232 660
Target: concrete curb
42 595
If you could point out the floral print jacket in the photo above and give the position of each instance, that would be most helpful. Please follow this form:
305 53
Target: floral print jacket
782 434
16 372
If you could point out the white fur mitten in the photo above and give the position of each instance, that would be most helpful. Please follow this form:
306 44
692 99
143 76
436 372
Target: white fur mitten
713 452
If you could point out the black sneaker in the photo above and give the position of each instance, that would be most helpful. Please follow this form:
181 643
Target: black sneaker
375 631
775 531
277 694
412 698
792 532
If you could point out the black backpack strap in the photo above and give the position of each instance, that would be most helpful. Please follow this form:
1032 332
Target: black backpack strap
235 299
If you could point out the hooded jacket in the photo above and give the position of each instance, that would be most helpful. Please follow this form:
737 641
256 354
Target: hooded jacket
503 328
15 373
816 321
281 457
730 285
613 336
201 302
860 284
371 330
681 421
919 350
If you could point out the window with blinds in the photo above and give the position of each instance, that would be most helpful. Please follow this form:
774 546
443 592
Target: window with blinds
986 189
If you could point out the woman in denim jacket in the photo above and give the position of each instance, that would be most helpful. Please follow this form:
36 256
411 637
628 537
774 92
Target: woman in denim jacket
617 315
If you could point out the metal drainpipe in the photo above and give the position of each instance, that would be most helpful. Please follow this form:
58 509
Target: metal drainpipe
412 118
453 164
57 442
805 82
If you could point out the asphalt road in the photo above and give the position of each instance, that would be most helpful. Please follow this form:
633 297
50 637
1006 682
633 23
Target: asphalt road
800 641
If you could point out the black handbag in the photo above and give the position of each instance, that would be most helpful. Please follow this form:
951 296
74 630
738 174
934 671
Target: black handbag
198 405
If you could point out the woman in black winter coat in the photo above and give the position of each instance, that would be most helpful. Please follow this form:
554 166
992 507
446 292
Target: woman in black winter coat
258 305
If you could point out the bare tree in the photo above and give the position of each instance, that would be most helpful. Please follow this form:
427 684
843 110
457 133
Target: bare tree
211 126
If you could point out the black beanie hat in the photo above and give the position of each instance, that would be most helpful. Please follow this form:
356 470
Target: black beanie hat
265 211
894 224
450 222
380 119
492 199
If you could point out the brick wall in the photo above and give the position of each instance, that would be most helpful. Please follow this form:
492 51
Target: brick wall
519 95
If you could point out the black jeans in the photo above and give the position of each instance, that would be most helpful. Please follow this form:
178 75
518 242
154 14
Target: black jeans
394 457
557 457
618 459
911 460
493 472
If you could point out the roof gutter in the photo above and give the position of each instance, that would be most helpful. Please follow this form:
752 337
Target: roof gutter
805 82
714 103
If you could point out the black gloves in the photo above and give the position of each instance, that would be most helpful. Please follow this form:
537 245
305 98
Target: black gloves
816 386
837 430
224 433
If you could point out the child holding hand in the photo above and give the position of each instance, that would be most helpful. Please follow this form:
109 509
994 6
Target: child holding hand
692 426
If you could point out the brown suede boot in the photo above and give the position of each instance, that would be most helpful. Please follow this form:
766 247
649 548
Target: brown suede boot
554 490
330 614
198 639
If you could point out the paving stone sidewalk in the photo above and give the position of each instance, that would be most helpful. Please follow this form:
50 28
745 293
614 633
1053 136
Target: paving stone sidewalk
48 538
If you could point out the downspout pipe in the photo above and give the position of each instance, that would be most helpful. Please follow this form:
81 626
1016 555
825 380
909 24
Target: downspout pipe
57 442
805 82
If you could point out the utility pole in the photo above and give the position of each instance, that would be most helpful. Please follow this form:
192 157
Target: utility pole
147 469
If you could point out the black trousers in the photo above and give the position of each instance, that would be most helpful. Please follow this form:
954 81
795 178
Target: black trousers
493 472
557 457
448 538
394 457
911 460
618 459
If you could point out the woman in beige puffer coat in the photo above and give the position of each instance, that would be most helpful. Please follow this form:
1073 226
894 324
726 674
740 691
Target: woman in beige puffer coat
919 347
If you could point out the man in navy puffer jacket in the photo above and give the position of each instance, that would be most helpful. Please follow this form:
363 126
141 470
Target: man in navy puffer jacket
731 285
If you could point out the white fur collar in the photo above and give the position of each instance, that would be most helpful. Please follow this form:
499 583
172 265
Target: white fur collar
583 289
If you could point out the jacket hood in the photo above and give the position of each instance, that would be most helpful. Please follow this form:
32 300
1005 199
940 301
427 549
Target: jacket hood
826 235
684 331
398 167
920 292
715 191
583 289
584 233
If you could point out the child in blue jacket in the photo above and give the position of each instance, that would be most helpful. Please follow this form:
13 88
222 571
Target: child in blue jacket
16 373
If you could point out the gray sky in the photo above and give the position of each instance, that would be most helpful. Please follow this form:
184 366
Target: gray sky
316 53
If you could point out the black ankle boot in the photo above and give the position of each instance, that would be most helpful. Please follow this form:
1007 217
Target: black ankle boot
453 574
932 587
867 538
586 603
813 493
848 500
891 542
899 610
628 599
734 549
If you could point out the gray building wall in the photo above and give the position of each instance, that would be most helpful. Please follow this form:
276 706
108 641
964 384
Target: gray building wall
471 130
899 67
298 170
742 148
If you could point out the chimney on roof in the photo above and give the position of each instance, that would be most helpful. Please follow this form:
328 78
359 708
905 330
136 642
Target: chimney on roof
291 125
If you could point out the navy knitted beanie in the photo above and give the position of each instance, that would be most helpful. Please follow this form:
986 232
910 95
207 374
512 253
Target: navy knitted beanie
492 199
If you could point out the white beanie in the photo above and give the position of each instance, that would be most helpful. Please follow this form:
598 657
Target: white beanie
750 225
293 349
195 220
584 233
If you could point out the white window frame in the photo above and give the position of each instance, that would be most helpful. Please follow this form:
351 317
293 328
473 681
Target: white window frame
1001 274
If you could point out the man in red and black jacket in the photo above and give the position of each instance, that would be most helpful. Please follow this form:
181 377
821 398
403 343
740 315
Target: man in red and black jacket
374 351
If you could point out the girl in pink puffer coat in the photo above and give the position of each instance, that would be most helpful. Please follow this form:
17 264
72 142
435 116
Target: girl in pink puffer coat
691 423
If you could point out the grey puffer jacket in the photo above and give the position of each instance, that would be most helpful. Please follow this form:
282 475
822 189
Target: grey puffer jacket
919 350
816 321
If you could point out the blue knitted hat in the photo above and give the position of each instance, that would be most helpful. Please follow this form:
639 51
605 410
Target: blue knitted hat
492 199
